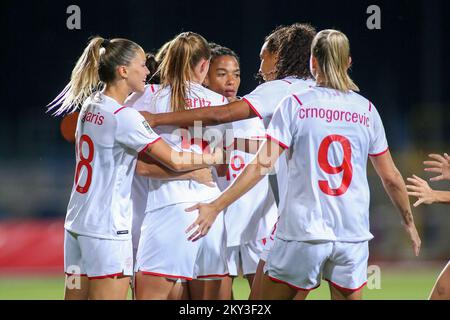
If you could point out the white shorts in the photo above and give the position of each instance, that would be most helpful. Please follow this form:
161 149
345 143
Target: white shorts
165 251
244 258
211 262
268 243
301 264
97 258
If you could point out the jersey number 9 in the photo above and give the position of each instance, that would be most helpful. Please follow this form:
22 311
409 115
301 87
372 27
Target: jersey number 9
345 167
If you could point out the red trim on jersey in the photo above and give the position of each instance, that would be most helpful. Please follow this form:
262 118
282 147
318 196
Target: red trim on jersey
291 285
370 106
277 141
118 110
164 275
152 88
298 100
286 81
106 276
252 107
379 154
74 274
213 276
274 229
264 241
148 145
345 289
223 98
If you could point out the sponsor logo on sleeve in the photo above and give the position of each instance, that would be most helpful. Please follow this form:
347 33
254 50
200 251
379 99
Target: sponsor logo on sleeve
147 126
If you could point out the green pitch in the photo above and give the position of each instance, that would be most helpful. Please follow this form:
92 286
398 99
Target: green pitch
395 284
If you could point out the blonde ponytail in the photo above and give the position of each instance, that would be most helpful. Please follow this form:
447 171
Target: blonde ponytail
83 81
95 67
331 48
176 69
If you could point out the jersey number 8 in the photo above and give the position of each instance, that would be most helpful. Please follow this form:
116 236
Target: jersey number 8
84 162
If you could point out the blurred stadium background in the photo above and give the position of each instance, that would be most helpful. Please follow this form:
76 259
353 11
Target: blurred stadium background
403 68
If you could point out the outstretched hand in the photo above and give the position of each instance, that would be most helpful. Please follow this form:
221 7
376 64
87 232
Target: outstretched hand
419 188
441 165
207 214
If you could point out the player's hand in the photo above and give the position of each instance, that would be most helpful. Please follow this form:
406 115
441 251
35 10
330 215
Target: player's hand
203 176
222 170
207 214
441 165
149 117
415 239
419 188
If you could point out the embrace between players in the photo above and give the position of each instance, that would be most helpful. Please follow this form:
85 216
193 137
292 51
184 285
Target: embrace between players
151 199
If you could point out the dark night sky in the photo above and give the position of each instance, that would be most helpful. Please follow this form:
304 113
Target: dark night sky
403 68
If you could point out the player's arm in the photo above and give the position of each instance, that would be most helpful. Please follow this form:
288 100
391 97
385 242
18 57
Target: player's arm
182 161
148 167
396 189
247 145
253 173
234 111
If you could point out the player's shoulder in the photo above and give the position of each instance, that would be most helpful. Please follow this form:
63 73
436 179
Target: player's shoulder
274 84
301 84
142 97
215 97
362 101
305 94
126 114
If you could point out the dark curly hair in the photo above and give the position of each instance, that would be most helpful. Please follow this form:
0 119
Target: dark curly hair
292 44
217 51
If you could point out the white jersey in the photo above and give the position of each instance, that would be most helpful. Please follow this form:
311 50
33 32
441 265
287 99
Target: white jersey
264 100
108 140
157 100
252 216
330 135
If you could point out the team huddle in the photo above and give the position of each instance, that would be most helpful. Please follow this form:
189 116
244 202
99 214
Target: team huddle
171 191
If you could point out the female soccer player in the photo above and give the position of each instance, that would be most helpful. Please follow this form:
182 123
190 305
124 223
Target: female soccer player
419 188
256 212
284 68
108 139
164 255
149 168
224 75
323 229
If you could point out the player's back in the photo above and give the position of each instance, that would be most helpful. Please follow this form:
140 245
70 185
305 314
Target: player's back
331 135
157 99
99 205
